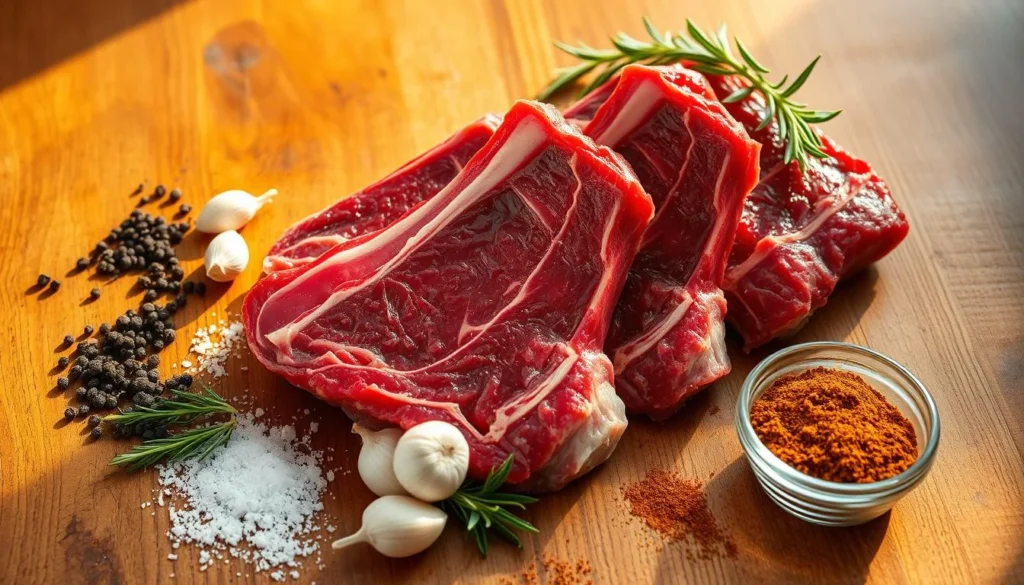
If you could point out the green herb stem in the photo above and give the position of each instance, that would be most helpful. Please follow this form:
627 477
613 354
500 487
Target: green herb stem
481 507
198 443
183 408
710 54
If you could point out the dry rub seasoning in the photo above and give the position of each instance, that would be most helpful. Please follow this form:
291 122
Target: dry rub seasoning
678 510
831 424
556 572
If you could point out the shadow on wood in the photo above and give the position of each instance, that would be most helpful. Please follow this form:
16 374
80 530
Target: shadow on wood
38 34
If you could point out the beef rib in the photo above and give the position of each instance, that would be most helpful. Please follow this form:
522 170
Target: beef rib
667 338
485 306
800 232
380 204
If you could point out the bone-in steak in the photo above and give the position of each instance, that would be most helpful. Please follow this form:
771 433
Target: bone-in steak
485 306
800 232
667 338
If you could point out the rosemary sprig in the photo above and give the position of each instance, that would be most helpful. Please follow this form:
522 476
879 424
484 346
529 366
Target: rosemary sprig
709 54
482 507
181 409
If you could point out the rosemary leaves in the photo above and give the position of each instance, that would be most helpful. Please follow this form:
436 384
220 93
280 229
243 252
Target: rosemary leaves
481 507
710 54
182 408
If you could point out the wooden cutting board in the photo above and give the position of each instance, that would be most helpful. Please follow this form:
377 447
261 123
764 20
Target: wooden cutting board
319 98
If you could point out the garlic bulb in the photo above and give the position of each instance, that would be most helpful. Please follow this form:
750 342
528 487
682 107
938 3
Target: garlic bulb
230 210
376 460
398 526
226 256
431 460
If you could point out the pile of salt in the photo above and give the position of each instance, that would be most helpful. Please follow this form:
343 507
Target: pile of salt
256 498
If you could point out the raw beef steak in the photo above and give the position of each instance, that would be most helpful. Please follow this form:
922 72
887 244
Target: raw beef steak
667 338
383 202
486 306
801 231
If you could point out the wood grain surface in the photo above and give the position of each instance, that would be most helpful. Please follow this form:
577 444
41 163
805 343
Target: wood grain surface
319 98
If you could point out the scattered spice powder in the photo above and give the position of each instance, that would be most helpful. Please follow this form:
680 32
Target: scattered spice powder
559 572
831 424
677 509
555 572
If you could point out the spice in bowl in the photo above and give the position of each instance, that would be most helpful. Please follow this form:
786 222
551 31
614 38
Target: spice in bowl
831 424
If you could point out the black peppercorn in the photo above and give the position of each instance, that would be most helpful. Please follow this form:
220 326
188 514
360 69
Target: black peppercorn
200 288
95 293
94 420
69 413
63 383
185 380
96 433
69 339
104 328
159 191
175 195
83 410
43 280
54 285
63 362
184 209
81 392
88 328
151 295
143 200
82 264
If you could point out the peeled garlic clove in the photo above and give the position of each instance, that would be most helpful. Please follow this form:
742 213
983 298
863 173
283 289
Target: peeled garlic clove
431 460
226 256
376 460
230 210
398 526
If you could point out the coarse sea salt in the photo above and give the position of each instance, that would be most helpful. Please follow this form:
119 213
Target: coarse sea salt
256 499
213 346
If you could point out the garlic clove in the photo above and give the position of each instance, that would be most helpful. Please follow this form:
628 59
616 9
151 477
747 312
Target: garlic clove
376 460
398 526
227 255
431 460
231 210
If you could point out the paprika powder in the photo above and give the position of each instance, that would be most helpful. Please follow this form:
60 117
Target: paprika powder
831 424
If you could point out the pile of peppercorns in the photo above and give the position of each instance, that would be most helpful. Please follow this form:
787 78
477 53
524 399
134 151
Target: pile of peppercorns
141 241
118 364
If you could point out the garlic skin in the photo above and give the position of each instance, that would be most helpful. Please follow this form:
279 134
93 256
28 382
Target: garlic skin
431 460
398 526
226 256
376 460
231 210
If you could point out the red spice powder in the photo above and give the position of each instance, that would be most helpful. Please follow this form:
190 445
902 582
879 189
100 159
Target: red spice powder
555 572
559 572
678 510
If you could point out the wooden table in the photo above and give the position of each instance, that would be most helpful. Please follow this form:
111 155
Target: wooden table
319 98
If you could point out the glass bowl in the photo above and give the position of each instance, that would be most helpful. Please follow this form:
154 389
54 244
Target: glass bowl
831 503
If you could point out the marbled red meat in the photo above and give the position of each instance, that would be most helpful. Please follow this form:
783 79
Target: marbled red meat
486 306
380 204
800 232
667 338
